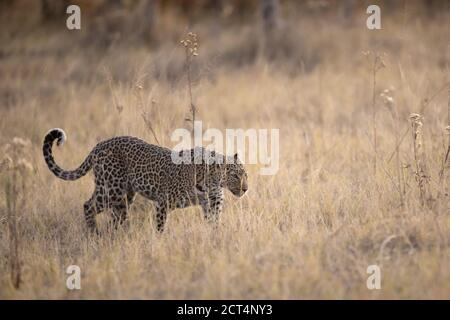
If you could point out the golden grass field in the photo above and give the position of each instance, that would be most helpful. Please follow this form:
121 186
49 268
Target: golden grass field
310 231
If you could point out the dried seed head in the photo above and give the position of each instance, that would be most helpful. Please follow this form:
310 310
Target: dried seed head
447 130
415 117
19 142
379 61
387 97
6 163
389 100
191 44
24 164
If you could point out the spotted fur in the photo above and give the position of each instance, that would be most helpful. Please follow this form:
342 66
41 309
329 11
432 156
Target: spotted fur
126 166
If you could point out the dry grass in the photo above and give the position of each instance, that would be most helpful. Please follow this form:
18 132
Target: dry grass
308 232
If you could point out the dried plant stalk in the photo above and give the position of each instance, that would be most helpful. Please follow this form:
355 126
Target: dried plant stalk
376 65
190 45
421 172
11 193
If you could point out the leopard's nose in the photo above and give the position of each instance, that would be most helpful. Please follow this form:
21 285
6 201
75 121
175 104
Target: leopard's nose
244 188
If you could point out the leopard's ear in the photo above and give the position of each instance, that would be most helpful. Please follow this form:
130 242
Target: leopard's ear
186 156
217 158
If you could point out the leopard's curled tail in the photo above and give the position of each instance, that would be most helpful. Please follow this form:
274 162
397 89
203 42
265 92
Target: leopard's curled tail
60 136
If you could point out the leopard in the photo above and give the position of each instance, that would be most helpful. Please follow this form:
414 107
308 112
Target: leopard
125 166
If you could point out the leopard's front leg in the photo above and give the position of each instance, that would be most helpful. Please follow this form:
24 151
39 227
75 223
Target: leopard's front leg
212 203
161 216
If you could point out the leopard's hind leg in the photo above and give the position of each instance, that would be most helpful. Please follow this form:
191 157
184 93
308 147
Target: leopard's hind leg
92 207
160 216
110 190
120 210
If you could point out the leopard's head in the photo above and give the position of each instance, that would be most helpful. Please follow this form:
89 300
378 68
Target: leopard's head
236 177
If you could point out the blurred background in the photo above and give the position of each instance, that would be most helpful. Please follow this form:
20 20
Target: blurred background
298 35
138 42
